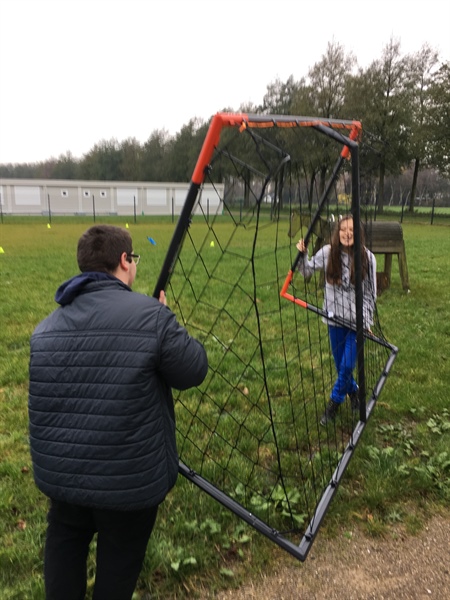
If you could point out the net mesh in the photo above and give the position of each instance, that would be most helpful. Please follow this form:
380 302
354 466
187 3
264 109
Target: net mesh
252 429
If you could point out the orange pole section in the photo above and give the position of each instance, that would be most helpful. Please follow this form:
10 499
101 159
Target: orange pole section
287 283
290 297
264 121
295 300
219 121
354 135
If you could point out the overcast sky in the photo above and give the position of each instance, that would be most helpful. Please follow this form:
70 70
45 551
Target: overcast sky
75 72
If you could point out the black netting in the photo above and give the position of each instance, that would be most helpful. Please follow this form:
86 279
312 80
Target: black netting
251 434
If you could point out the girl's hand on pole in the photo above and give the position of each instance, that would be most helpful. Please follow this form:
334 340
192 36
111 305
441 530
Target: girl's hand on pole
301 247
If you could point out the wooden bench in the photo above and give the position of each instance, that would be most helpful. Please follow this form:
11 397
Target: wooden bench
382 237
386 237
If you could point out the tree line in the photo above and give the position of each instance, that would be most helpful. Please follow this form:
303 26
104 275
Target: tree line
403 102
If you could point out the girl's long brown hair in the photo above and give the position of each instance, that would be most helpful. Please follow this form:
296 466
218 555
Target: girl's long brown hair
334 266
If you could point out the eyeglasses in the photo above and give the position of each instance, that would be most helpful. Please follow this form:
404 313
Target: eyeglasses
135 257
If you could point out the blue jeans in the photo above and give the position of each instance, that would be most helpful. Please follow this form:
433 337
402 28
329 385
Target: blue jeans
121 545
343 346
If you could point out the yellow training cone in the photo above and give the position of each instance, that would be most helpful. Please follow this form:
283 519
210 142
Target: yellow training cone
212 244
126 226
49 226
1 250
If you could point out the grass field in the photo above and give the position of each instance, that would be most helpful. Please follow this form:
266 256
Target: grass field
421 211
400 472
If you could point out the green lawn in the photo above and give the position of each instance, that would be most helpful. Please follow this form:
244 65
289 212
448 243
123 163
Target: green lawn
400 471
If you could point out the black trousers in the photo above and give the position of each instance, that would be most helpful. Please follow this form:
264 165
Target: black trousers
121 544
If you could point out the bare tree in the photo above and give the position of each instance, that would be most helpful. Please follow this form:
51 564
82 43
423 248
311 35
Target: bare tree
378 97
421 69
279 97
439 121
327 81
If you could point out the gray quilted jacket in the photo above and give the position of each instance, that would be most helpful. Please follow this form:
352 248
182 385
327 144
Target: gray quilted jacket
102 423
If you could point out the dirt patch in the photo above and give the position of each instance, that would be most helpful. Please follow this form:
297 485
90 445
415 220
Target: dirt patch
399 567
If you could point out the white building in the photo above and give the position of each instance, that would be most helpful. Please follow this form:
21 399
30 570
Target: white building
70 197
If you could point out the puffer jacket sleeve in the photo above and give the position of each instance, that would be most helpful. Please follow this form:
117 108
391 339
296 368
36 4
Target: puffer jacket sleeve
183 362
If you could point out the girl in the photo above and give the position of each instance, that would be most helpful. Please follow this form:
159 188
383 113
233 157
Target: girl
337 261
